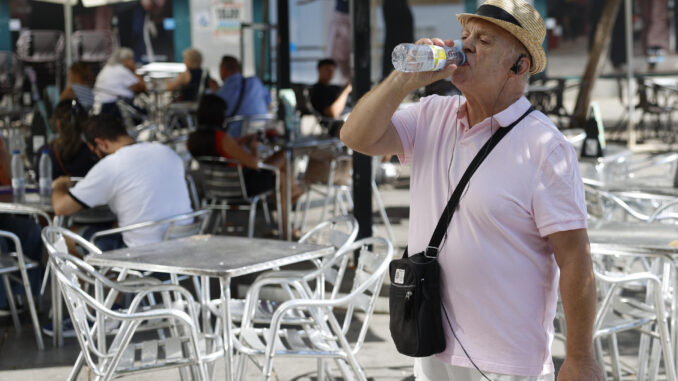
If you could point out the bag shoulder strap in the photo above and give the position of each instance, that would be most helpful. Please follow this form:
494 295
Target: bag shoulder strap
446 216
240 97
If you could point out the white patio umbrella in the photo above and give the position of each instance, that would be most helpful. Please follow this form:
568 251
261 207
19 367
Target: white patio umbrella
68 19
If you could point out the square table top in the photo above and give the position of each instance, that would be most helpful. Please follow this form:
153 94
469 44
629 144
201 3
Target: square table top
637 235
211 255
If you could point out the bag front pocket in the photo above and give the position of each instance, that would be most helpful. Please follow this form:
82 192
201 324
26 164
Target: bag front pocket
403 311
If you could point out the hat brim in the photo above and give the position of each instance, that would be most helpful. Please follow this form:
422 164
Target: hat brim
535 49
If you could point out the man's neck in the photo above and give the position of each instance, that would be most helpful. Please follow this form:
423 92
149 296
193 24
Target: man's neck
478 109
122 141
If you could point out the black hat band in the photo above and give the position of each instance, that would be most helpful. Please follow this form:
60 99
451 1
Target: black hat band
495 12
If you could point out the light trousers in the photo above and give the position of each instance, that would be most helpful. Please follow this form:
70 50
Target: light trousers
432 369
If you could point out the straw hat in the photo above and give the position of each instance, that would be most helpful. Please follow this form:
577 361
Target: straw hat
518 18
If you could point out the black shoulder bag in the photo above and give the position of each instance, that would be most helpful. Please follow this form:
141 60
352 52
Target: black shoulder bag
240 97
414 299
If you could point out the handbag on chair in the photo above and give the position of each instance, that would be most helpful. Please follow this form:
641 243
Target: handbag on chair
414 299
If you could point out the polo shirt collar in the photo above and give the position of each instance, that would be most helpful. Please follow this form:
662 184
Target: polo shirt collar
512 112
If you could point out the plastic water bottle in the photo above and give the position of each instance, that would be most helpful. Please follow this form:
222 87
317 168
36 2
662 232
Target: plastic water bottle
415 58
18 177
45 181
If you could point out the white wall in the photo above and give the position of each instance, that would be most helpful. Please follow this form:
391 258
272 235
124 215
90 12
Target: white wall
214 47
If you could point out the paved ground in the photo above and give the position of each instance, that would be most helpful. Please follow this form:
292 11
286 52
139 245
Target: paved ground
19 359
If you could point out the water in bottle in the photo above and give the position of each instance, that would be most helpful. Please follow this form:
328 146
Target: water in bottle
45 181
415 58
18 177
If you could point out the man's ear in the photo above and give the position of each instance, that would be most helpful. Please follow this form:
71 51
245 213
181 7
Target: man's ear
101 143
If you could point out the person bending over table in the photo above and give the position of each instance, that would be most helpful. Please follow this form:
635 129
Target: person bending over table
69 154
140 182
118 80
211 140
188 82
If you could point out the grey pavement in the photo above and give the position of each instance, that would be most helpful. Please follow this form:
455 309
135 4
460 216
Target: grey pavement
20 359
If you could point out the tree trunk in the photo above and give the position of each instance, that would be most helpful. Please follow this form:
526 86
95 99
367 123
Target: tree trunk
594 66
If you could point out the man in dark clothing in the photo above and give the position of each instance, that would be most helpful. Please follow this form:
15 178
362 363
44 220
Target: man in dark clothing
329 100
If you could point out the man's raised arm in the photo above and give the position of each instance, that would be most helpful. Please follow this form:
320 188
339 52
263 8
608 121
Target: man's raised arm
368 129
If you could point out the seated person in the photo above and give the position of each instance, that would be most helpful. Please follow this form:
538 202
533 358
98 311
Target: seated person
116 80
70 155
329 100
211 140
139 181
188 82
79 85
28 232
254 100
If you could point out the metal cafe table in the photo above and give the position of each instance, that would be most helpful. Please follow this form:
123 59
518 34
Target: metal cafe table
222 257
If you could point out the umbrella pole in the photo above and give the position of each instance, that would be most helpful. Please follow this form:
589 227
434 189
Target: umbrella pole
68 26
629 73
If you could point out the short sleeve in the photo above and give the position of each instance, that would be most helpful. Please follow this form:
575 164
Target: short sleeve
128 78
97 187
405 123
558 200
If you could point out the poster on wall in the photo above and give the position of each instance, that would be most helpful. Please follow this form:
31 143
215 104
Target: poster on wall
227 16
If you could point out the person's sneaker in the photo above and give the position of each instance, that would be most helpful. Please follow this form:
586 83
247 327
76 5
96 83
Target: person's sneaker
66 328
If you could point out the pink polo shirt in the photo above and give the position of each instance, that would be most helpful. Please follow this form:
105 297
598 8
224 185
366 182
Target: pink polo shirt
499 275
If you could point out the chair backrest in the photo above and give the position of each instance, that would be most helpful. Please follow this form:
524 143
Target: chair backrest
11 74
92 45
74 276
54 239
6 208
302 93
339 232
374 257
241 125
179 229
222 178
40 45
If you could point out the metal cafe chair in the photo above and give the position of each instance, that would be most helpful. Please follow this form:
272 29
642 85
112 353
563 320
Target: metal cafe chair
185 346
224 187
92 45
10 265
329 271
324 335
633 301
11 77
54 239
240 125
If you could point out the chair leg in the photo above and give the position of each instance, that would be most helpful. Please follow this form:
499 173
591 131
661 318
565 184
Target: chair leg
307 205
31 308
600 357
614 357
75 371
12 304
321 369
267 214
382 211
253 215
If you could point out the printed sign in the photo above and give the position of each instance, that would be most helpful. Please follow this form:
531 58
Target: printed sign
226 18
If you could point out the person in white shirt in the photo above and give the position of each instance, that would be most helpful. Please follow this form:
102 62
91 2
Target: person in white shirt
138 181
116 80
